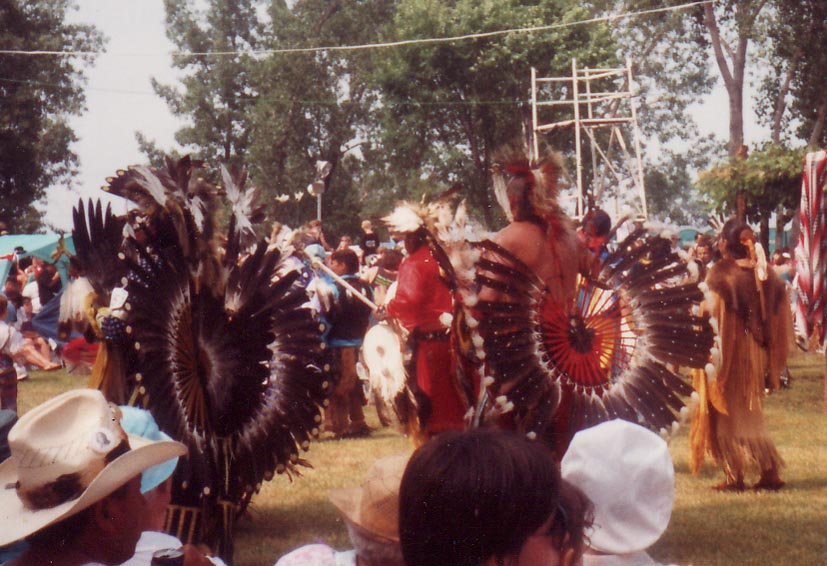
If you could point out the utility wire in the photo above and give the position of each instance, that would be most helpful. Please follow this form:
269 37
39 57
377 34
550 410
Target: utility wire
400 43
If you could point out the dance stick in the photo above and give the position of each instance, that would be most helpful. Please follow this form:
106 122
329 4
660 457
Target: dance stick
318 264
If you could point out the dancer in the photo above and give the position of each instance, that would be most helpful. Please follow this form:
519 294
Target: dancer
423 305
749 302
560 329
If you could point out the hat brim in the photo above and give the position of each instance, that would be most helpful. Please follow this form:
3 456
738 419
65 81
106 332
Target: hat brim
19 521
349 503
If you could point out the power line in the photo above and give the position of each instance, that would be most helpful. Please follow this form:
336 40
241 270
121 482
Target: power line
400 43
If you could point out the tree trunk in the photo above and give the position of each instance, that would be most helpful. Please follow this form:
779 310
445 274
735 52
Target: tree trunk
732 63
780 221
764 230
780 101
818 127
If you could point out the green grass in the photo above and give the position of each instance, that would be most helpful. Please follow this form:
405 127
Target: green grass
707 528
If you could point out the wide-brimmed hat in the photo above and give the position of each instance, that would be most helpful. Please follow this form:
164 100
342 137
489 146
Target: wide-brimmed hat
627 473
374 506
67 454
140 422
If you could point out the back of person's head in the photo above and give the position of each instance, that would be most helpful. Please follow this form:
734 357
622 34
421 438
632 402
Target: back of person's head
627 473
732 234
348 258
470 497
390 259
598 223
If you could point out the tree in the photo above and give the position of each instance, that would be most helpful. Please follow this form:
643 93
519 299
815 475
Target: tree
217 88
770 178
38 95
730 50
447 107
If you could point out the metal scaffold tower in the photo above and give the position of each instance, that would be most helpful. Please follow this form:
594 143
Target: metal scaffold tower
602 106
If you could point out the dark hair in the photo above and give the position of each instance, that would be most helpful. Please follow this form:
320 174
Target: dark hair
390 259
704 241
599 222
468 496
348 258
731 233
4 305
578 514
518 191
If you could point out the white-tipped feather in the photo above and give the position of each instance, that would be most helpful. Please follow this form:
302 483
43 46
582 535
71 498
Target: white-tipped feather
711 372
478 341
713 322
445 319
403 219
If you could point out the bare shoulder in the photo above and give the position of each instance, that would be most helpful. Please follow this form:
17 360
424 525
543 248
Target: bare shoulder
518 234
525 240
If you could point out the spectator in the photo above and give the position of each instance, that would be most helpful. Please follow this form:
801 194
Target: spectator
79 504
48 283
349 319
15 348
371 514
485 497
627 473
369 240
316 232
156 487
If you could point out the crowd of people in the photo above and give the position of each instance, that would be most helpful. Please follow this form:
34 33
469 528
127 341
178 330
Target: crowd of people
88 483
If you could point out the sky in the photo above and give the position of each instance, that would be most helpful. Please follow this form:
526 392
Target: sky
120 101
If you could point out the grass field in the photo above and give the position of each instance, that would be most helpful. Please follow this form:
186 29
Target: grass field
707 528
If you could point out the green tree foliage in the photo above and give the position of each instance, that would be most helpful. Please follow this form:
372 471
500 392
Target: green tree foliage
38 95
770 178
316 106
792 97
447 107
217 90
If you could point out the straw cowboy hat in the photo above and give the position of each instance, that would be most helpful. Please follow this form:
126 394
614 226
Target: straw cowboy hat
67 454
374 506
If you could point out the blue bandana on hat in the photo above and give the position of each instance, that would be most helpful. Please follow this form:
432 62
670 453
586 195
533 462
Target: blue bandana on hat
141 423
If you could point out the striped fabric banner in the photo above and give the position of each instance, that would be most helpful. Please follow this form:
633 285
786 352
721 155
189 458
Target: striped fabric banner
811 251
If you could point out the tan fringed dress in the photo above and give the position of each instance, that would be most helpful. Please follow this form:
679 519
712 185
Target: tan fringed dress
729 422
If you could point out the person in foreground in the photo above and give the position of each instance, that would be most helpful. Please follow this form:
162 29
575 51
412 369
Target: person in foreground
488 497
156 488
371 514
71 487
627 473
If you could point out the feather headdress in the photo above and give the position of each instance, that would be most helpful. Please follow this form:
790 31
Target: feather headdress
540 177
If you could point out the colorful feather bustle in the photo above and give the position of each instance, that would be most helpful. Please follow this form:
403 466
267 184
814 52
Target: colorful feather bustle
220 345
612 356
811 251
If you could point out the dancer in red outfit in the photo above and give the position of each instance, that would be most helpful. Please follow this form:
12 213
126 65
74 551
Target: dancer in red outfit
423 304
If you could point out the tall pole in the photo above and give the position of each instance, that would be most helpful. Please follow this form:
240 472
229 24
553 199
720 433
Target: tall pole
575 97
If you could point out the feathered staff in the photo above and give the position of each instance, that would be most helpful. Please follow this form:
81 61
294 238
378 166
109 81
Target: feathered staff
811 251
224 354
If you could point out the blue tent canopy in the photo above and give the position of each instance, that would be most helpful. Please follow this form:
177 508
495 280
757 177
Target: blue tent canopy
38 245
